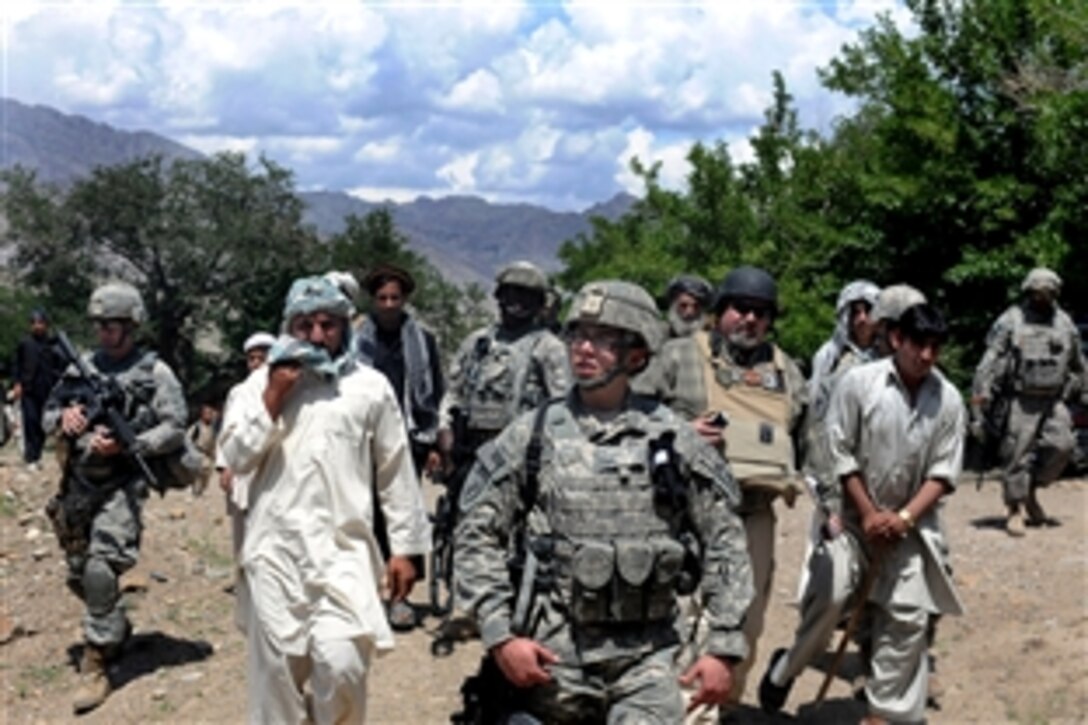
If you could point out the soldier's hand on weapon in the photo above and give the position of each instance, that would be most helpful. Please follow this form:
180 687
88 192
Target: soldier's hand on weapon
282 379
522 661
715 678
433 464
103 443
73 420
709 429
400 575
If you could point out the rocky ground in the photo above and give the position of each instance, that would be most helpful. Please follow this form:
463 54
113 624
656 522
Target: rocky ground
1019 655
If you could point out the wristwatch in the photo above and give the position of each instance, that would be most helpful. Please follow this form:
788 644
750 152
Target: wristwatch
907 516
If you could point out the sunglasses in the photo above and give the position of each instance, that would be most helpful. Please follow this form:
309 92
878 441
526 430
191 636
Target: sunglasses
746 308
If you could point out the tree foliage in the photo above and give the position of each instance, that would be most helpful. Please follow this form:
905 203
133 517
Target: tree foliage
961 168
210 243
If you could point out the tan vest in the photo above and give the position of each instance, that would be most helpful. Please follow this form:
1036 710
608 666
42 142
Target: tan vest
757 402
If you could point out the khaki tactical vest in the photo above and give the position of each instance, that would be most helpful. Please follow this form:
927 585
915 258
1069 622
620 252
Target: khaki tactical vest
503 380
617 555
758 445
1043 355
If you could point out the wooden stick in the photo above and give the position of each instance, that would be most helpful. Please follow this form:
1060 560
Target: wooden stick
851 627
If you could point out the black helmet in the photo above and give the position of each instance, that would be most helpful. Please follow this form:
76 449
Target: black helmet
690 284
749 283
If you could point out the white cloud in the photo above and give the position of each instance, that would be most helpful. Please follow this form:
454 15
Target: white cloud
214 144
460 173
379 151
479 92
513 100
672 157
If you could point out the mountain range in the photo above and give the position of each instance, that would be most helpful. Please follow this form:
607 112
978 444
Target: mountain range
467 237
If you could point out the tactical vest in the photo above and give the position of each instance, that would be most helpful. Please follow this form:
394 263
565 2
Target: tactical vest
503 380
757 440
178 469
1043 354
617 558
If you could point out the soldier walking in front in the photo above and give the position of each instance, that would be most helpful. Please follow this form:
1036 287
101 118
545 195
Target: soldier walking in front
97 512
1034 363
601 493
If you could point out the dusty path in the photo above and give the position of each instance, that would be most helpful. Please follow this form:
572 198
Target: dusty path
1020 655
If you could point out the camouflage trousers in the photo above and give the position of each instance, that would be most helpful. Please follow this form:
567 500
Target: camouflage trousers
113 545
1033 460
637 689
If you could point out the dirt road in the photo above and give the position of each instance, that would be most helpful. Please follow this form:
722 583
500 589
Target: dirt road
1019 655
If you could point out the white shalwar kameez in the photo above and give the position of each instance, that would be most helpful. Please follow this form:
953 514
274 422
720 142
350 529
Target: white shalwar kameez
309 557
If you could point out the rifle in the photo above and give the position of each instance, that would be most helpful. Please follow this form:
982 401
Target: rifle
103 401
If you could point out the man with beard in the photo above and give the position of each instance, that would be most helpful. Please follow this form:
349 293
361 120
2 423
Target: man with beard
393 342
35 375
314 426
687 297
744 395
1033 359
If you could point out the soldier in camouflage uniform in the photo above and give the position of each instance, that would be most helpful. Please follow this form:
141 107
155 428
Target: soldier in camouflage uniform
1033 360
97 512
504 369
621 482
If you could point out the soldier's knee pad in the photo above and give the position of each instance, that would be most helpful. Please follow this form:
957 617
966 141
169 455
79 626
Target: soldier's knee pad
99 586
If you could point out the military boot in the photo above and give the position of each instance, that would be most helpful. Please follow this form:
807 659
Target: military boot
1014 524
94 683
1036 515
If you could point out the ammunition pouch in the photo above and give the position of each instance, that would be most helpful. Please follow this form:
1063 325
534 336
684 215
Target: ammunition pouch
625 582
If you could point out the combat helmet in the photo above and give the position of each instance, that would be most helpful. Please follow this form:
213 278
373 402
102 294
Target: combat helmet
746 282
622 305
894 301
1042 279
691 284
522 274
116 300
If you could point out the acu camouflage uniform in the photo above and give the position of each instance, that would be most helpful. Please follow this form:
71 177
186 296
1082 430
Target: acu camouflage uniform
1033 359
608 605
101 497
502 370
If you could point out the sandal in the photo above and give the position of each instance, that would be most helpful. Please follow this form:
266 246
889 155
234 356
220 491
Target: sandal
402 617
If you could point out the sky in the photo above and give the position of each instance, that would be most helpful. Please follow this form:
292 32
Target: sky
536 102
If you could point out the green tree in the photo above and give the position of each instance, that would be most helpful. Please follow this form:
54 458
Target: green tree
212 245
966 146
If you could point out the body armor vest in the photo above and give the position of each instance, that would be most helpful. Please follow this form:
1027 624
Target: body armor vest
503 380
1043 356
617 556
757 403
